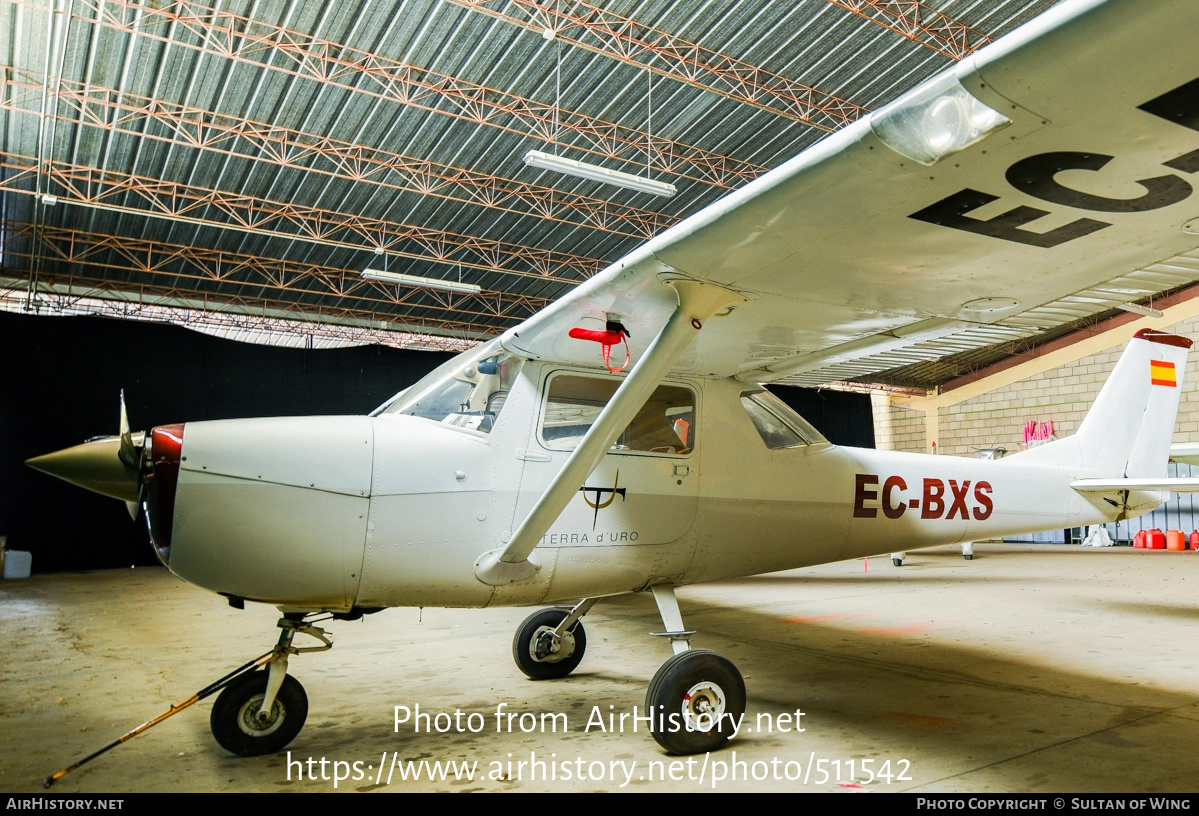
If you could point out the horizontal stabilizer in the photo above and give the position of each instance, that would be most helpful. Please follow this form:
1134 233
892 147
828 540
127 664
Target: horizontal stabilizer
1178 485
1186 453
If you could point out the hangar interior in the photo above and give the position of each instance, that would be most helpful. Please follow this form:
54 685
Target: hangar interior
235 168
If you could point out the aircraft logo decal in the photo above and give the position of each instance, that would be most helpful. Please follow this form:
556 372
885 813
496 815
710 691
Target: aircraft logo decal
934 499
1162 373
1037 176
600 503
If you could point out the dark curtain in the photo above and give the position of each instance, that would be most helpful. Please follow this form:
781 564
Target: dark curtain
63 377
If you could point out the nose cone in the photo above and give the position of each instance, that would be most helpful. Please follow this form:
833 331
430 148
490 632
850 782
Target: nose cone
95 466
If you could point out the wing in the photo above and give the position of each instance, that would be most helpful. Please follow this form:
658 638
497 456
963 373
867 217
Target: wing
889 234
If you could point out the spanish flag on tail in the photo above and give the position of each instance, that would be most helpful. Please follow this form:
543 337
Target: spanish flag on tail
1162 373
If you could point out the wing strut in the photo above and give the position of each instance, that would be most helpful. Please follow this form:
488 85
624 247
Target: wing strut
697 303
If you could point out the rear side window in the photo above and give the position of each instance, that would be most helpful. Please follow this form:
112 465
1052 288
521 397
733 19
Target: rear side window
777 424
665 425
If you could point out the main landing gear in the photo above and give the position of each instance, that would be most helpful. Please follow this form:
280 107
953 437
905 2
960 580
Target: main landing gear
262 711
550 643
696 698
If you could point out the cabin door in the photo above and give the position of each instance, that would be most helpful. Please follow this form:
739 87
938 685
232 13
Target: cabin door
644 492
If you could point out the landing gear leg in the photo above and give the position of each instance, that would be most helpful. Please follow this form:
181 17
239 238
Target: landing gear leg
697 697
261 712
551 642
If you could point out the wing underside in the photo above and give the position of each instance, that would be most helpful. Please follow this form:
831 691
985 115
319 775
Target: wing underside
855 257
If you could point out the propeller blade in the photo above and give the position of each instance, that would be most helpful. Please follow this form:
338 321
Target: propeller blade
124 416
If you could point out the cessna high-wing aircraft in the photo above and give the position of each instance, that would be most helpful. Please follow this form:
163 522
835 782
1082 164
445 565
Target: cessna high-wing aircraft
523 472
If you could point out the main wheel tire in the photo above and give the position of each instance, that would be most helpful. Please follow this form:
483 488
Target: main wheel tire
897 562
534 661
240 732
697 699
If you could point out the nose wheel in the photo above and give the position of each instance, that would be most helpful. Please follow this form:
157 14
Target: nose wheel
263 711
240 725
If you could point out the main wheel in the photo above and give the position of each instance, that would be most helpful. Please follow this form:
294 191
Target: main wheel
235 722
897 562
532 645
697 699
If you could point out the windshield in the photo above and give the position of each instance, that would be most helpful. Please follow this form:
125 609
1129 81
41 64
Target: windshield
468 391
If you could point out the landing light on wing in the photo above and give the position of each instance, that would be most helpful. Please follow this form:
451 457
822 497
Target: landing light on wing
934 121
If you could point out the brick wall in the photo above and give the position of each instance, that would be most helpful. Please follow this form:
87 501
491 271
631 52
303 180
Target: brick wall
898 427
1062 395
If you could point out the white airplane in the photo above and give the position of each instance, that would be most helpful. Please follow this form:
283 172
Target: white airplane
524 473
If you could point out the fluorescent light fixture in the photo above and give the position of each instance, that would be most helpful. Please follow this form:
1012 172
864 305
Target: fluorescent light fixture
1141 310
935 121
424 283
594 172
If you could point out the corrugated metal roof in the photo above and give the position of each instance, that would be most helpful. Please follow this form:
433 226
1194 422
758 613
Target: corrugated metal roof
249 154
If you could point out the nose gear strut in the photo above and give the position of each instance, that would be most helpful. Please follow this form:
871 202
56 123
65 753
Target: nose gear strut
276 662
277 668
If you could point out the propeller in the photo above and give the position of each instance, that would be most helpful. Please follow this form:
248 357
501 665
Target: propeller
110 465
132 453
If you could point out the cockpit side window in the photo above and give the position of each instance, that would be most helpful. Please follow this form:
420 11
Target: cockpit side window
470 392
665 425
777 424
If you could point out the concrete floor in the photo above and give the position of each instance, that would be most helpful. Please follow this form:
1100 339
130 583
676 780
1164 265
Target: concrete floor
1029 669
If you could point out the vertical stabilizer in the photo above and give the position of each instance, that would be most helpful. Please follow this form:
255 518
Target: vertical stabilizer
1128 430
